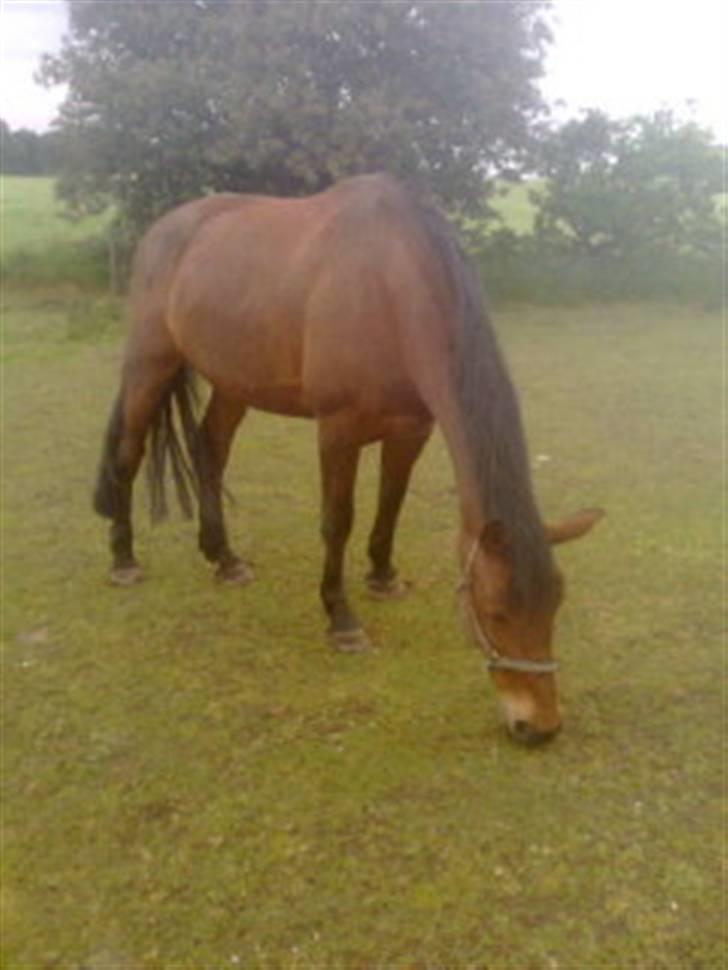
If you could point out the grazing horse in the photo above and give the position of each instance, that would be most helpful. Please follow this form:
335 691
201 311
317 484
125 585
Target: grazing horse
356 307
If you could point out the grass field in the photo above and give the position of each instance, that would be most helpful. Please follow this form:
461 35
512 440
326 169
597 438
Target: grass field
40 245
192 779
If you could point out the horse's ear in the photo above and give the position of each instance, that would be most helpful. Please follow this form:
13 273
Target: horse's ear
494 538
573 527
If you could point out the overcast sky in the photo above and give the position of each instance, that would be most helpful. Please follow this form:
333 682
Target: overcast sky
625 56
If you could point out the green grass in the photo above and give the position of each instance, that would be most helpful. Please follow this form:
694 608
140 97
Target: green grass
192 779
40 244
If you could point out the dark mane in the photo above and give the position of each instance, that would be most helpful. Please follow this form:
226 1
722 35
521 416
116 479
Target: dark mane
492 420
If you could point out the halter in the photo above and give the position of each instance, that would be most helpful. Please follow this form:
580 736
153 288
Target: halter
494 659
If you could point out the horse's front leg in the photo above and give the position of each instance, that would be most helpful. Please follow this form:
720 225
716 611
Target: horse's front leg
400 451
339 456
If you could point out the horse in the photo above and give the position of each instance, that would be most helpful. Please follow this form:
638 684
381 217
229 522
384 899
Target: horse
358 308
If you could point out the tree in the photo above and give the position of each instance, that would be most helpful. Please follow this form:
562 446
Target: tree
21 151
167 101
643 185
26 152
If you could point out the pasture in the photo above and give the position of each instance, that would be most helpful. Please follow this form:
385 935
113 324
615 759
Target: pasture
193 779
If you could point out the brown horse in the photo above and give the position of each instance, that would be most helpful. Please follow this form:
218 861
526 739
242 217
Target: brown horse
355 307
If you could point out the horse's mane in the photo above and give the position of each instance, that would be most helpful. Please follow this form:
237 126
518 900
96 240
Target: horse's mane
491 419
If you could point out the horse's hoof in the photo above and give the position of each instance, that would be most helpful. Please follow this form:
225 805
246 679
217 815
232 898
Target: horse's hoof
392 589
236 573
349 641
126 575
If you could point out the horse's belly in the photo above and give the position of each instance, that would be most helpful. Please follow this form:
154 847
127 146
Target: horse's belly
274 359
248 379
356 365
372 397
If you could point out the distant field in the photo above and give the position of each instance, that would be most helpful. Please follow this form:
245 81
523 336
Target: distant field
33 218
42 248
40 244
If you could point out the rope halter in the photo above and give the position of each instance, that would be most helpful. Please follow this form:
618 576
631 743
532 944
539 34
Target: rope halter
494 658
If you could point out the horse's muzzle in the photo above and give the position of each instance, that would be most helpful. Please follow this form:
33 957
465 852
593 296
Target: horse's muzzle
526 733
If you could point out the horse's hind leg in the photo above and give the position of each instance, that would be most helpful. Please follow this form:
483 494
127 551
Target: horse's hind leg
400 451
218 427
339 454
142 391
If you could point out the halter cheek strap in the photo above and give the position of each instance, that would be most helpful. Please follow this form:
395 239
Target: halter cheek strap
494 659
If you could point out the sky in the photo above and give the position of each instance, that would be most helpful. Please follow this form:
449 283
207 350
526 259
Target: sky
624 56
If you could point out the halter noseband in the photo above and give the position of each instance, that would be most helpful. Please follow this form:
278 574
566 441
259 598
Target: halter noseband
494 659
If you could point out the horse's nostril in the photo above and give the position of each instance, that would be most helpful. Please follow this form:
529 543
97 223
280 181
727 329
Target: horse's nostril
521 729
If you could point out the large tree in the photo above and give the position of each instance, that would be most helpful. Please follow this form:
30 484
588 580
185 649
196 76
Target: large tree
168 100
631 187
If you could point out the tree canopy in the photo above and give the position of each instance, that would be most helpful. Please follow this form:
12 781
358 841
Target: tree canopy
26 152
167 101
642 184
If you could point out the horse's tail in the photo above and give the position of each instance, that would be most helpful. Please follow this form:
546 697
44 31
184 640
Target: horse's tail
106 491
173 444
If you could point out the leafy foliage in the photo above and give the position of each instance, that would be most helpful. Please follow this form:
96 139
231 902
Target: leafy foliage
26 152
620 188
628 209
170 100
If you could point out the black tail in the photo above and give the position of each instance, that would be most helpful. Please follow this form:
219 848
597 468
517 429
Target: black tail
180 446
168 443
106 491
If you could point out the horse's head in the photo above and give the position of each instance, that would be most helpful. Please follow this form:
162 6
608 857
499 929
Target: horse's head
514 633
